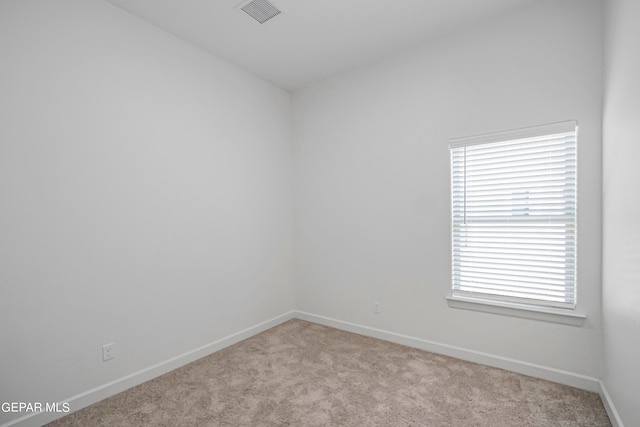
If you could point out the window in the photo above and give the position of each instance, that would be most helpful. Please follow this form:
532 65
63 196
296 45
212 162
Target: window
514 216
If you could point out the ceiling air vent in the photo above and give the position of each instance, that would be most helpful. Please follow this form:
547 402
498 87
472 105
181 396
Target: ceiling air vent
260 10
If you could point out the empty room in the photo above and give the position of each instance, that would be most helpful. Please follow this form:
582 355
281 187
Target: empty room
320 212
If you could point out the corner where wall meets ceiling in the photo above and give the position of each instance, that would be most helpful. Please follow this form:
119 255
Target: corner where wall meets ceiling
310 41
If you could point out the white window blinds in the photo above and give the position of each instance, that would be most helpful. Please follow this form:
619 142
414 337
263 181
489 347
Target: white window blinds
514 216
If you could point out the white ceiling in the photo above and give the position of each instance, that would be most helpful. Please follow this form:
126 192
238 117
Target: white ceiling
312 39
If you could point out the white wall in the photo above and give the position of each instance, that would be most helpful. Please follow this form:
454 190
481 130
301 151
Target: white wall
145 198
372 178
621 178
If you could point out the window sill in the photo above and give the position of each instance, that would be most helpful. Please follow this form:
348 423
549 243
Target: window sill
554 315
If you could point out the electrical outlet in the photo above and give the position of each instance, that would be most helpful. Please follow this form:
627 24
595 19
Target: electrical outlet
107 352
376 307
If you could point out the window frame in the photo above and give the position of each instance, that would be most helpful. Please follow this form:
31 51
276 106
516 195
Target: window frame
562 313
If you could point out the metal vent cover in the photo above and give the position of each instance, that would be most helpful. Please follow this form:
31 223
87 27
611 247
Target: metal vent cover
260 10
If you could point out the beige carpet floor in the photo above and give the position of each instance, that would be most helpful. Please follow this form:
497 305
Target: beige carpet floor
304 374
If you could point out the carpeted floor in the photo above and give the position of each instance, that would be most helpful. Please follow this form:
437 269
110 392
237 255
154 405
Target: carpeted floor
304 374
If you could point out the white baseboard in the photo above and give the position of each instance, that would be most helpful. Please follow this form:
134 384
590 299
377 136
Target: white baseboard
538 371
614 417
551 374
101 392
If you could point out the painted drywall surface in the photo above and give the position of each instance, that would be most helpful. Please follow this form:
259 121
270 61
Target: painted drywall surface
146 198
621 230
372 186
